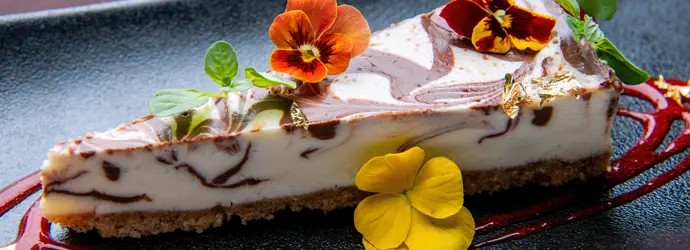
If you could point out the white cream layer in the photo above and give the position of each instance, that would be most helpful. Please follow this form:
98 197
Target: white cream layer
275 156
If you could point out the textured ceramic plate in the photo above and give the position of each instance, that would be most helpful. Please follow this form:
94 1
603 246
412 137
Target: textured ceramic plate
89 69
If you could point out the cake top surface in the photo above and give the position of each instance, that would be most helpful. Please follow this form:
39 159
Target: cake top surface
412 67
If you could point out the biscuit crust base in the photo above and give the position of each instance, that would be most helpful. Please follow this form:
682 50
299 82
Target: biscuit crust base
137 224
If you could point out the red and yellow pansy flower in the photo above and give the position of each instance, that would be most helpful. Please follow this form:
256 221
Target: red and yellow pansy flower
316 38
498 25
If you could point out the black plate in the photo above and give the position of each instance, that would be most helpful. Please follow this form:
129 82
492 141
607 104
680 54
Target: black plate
89 69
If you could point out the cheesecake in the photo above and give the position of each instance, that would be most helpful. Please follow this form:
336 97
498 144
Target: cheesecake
507 120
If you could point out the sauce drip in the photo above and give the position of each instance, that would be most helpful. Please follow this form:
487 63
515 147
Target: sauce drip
34 230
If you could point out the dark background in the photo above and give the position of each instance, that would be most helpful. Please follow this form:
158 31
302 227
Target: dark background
65 73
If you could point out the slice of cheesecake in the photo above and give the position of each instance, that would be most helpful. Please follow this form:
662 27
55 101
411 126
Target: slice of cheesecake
507 120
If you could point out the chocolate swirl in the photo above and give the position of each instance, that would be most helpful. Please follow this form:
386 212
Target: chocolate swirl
409 83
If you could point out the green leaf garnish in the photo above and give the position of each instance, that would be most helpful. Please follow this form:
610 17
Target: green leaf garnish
599 9
571 6
238 86
589 30
625 70
592 33
168 102
220 63
265 80
577 26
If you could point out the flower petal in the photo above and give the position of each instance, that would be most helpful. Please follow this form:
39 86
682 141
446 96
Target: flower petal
528 29
291 29
383 219
351 22
291 62
335 52
454 232
489 36
463 15
321 13
501 4
437 191
391 173
369 246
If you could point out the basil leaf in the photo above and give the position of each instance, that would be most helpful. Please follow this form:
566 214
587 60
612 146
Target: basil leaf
237 86
599 9
265 80
168 102
591 30
625 70
220 63
576 25
240 85
571 6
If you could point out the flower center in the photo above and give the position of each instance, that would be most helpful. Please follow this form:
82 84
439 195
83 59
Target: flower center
309 52
405 193
503 18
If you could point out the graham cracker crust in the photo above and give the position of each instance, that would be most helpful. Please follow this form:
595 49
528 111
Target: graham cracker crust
137 224
547 173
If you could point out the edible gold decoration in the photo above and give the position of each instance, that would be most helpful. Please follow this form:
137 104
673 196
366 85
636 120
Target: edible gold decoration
548 88
513 94
673 92
298 117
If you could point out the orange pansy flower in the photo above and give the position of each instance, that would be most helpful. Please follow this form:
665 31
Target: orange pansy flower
316 38
497 25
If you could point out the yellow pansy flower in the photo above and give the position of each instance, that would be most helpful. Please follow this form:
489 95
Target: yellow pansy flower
416 207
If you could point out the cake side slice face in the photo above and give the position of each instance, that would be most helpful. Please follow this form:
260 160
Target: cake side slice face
418 84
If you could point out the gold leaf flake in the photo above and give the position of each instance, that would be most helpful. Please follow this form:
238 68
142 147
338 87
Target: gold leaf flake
298 117
548 88
513 94
673 92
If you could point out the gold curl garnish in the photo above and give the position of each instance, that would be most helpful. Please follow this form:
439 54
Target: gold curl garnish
298 117
673 92
548 88
513 94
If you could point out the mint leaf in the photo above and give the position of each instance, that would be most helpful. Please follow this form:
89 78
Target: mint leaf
599 9
238 86
571 6
591 30
265 80
625 70
577 26
220 63
169 102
